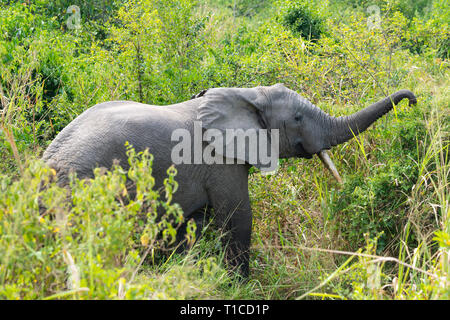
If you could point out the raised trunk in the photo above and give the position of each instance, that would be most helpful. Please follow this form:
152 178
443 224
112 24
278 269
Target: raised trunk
344 128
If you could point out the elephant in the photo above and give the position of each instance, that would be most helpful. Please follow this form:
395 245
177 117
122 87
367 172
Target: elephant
97 138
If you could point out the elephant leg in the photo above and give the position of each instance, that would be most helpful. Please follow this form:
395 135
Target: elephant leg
233 214
199 216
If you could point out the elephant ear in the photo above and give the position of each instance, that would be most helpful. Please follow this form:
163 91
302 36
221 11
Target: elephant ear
238 111
232 108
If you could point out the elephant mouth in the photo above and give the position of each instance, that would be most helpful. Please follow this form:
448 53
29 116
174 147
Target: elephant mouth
323 156
301 151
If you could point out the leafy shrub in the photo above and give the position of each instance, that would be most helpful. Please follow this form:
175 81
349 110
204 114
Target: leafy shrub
17 23
160 63
90 10
431 32
303 21
86 242
247 8
409 8
376 202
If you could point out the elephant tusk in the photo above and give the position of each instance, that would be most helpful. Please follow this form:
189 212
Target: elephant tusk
323 155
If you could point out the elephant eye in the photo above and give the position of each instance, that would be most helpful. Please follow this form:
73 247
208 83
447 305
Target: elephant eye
298 117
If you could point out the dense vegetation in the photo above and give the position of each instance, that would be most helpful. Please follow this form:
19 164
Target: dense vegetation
383 234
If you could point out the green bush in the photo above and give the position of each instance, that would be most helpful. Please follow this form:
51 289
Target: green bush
85 242
303 21
376 203
409 8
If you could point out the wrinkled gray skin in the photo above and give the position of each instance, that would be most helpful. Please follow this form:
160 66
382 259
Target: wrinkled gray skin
98 135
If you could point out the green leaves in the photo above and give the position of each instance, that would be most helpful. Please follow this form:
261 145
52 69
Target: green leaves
302 20
95 231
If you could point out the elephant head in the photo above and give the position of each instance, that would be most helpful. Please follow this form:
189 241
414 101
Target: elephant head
304 129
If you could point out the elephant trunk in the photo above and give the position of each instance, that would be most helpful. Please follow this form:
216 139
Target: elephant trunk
344 128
